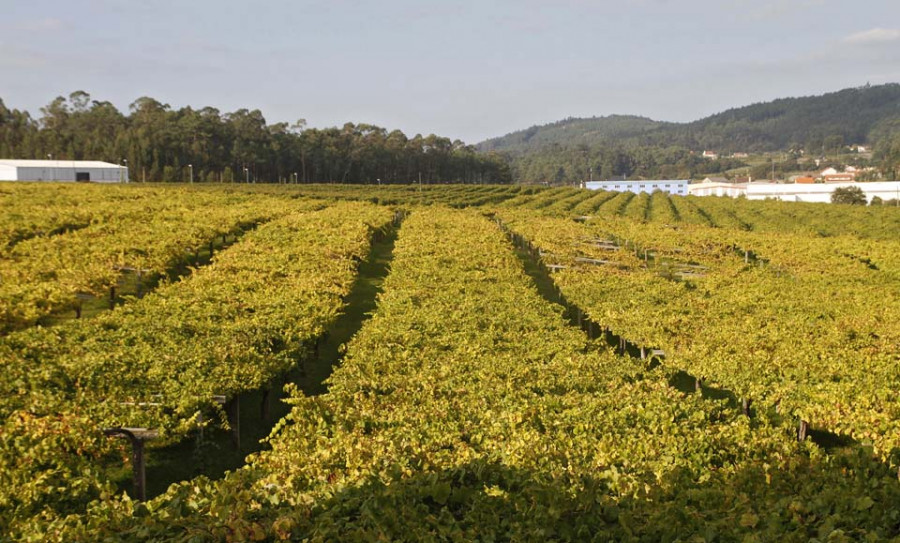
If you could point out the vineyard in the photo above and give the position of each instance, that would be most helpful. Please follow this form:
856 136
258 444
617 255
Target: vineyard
541 364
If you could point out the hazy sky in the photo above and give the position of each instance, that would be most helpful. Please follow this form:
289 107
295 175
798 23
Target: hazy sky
463 69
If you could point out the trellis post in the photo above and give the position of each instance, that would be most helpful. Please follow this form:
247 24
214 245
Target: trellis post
137 437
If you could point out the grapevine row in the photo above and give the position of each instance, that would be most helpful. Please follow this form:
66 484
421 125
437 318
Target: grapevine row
467 408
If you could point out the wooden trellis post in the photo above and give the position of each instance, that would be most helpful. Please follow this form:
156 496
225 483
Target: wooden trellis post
802 430
82 297
137 437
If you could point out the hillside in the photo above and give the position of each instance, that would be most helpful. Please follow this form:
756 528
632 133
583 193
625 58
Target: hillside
574 131
855 115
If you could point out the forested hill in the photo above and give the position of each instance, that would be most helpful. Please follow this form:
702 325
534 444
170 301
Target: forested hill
857 115
574 131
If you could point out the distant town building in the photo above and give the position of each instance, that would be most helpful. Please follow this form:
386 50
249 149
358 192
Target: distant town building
62 170
712 155
739 155
805 179
839 178
671 186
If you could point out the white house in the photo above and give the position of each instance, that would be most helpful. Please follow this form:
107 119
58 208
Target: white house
672 186
62 170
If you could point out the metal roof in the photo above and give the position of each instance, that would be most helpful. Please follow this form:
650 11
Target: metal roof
638 181
57 163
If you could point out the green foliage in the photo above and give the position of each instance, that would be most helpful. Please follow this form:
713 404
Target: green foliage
468 409
820 123
159 362
848 195
638 147
572 132
80 240
159 143
49 467
786 323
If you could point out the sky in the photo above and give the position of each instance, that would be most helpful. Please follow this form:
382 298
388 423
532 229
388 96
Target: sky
469 69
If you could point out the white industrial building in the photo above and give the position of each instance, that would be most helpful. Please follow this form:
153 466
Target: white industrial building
819 192
795 192
62 170
676 186
718 186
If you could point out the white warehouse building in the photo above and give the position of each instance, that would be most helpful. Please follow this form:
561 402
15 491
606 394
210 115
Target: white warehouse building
672 186
795 192
62 170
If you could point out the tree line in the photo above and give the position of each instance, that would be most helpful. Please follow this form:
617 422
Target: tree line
563 164
571 164
159 143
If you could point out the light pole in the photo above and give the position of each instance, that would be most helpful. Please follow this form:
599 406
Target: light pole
191 168
246 175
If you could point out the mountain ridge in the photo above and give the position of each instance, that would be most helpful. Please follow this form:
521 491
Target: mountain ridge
856 115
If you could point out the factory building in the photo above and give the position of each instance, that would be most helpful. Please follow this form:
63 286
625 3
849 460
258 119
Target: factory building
676 186
62 170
